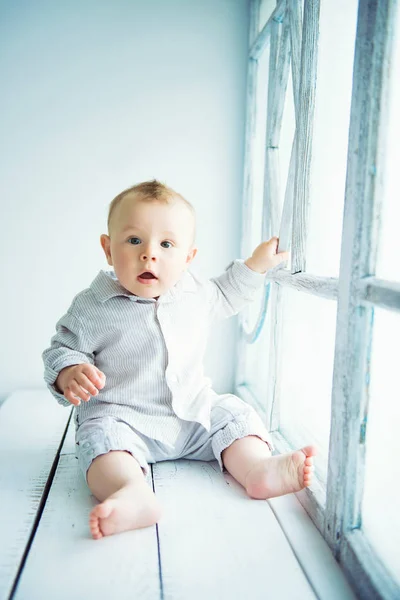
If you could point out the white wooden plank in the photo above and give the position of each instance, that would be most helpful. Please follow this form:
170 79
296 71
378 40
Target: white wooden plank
295 20
271 164
325 287
216 542
69 441
280 86
358 256
379 292
64 562
311 550
277 84
260 43
295 24
32 425
285 228
304 132
369 575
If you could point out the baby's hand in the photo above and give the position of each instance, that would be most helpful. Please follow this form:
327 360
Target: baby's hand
266 256
80 382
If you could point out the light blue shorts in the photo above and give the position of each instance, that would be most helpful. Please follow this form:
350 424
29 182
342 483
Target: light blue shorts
231 419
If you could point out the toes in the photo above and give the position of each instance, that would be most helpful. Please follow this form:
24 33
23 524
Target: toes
103 510
307 475
94 528
97 535
309 451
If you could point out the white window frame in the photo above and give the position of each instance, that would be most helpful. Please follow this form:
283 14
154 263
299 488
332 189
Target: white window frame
293 38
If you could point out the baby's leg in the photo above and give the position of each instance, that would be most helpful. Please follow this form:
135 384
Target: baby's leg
127 502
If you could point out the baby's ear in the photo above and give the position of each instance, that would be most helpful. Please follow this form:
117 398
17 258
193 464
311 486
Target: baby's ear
191 255
105 244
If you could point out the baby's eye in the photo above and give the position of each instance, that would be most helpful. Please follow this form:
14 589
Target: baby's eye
135 242
170 245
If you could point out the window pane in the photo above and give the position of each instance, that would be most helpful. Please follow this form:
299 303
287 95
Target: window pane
266 9
256 357
329 151
380 510
388 266
305 382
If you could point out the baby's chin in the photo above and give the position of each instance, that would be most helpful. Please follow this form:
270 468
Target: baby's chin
154 290
150 290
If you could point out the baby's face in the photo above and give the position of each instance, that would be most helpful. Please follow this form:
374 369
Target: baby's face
149 237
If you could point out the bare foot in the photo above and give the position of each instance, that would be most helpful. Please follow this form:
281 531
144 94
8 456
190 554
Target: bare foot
132 507
283 474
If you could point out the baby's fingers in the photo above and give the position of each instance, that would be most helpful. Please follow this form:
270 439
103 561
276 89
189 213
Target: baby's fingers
283 255
99 379
79 391
87 384
68 394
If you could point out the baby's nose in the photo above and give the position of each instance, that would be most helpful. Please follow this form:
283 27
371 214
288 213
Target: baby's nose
148 253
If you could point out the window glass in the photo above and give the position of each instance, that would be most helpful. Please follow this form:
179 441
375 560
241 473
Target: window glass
388 266
380 508
330 137
305 382
266 9
257 363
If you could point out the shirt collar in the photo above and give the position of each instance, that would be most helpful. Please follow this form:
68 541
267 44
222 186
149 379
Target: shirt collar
106 285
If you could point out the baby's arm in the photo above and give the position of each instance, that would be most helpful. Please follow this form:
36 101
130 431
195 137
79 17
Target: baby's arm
236 287
70 346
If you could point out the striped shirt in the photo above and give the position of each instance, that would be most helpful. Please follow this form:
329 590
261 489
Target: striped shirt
151 351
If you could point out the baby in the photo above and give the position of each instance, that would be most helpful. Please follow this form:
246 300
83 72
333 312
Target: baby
128 354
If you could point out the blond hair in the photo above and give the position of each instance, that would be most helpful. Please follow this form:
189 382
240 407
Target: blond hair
151 191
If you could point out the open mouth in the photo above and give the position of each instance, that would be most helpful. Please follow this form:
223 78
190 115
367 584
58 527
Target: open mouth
147 277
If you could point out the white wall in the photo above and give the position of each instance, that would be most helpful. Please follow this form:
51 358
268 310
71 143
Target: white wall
96 96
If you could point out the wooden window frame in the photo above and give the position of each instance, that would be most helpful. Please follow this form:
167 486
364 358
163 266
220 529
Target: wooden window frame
357 290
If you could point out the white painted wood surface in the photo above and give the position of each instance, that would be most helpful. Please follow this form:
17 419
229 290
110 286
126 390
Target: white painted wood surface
353 334
294 14
259 44
31 428
304 132
326 577
65 562
325 287
216 542
350 398
379 292
213 540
